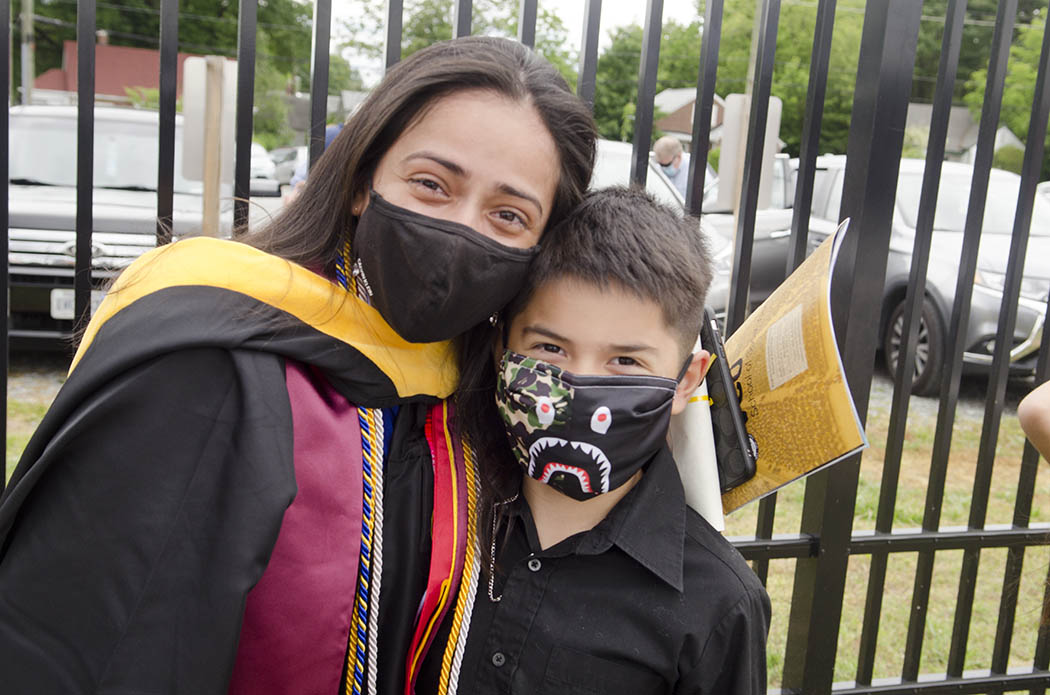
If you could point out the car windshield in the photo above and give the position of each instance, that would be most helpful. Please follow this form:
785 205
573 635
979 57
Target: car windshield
43 151
953 197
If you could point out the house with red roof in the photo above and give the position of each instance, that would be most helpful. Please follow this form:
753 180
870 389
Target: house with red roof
117 69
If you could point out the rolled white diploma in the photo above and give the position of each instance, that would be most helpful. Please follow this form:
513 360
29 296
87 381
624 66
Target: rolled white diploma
693 446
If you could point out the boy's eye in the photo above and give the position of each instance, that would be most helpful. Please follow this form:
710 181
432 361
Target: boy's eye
549 347
626 361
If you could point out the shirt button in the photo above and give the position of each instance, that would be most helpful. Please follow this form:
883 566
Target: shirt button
535 564
498 659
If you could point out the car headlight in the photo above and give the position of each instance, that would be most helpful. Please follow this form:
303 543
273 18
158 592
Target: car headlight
1031 288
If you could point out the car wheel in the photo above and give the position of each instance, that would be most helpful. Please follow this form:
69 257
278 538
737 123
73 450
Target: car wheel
929 350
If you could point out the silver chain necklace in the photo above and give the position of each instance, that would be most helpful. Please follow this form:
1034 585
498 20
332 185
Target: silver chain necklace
492 549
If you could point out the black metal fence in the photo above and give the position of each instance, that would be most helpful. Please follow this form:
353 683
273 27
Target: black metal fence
826 540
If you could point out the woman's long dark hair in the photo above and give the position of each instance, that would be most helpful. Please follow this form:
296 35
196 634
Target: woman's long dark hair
311 231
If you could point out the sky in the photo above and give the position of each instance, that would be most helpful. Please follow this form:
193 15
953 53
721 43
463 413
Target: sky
615 13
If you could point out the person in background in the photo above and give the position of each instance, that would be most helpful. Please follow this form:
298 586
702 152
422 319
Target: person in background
299 175
1034 413
595 576
673 161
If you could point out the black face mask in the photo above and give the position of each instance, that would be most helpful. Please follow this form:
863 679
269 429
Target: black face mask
582 435
432 279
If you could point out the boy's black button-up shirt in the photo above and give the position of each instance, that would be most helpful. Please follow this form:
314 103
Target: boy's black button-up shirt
652 600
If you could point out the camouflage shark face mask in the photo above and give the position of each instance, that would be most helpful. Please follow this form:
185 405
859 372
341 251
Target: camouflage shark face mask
582 435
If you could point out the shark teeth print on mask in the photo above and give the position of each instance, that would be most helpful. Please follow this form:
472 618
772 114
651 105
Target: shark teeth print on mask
544 446
583 435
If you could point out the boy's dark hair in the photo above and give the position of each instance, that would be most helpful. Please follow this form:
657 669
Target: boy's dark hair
624 237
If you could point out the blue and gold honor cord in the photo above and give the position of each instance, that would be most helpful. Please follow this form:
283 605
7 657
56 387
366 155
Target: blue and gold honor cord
361 652
361 670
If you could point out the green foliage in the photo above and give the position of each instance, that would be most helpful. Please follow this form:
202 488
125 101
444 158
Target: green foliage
270 123
680 58
791 67
1019 90
617 74
1009 158
976 42
430 21
205 27
916 140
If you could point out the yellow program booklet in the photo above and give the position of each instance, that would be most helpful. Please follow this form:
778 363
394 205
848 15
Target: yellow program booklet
791 382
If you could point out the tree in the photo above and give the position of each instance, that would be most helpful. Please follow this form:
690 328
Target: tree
979 25
283 43
791 66
205 27
680 58
617 74
429 21
1019 90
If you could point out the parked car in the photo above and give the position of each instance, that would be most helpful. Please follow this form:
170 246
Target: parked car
286 160
612 167
42 213
261 166
942 276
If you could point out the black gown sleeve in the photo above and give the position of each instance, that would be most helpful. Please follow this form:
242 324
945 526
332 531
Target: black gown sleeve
150 513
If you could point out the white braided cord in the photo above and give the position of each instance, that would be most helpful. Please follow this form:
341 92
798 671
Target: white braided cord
461 642
377 568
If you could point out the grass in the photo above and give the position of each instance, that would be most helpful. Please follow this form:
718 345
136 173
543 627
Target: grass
901 567
27 405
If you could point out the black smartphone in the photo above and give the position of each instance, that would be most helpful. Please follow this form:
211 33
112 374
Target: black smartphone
735 449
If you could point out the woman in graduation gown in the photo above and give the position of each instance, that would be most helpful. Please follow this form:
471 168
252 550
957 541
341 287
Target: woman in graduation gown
252 480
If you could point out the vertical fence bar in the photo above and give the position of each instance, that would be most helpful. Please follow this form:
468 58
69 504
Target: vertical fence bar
167 96
705 97
395 18
461 18
85 158
884 75
5 175
588 68
950 46
1042 642
823 32
527 23
643 111
807 163
993 96
246 25
756 136
319 77
1030 171
1029 468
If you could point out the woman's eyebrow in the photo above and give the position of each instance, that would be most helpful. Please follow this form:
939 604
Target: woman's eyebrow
518 193
446 163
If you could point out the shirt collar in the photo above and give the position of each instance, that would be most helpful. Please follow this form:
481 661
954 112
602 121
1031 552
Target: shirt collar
648 523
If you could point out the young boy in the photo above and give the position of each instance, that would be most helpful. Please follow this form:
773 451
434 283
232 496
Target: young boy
600 579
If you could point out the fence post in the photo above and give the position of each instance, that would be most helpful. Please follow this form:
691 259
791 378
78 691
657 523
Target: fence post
85 158
884 76
588 67
319 78
5 88
643 108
